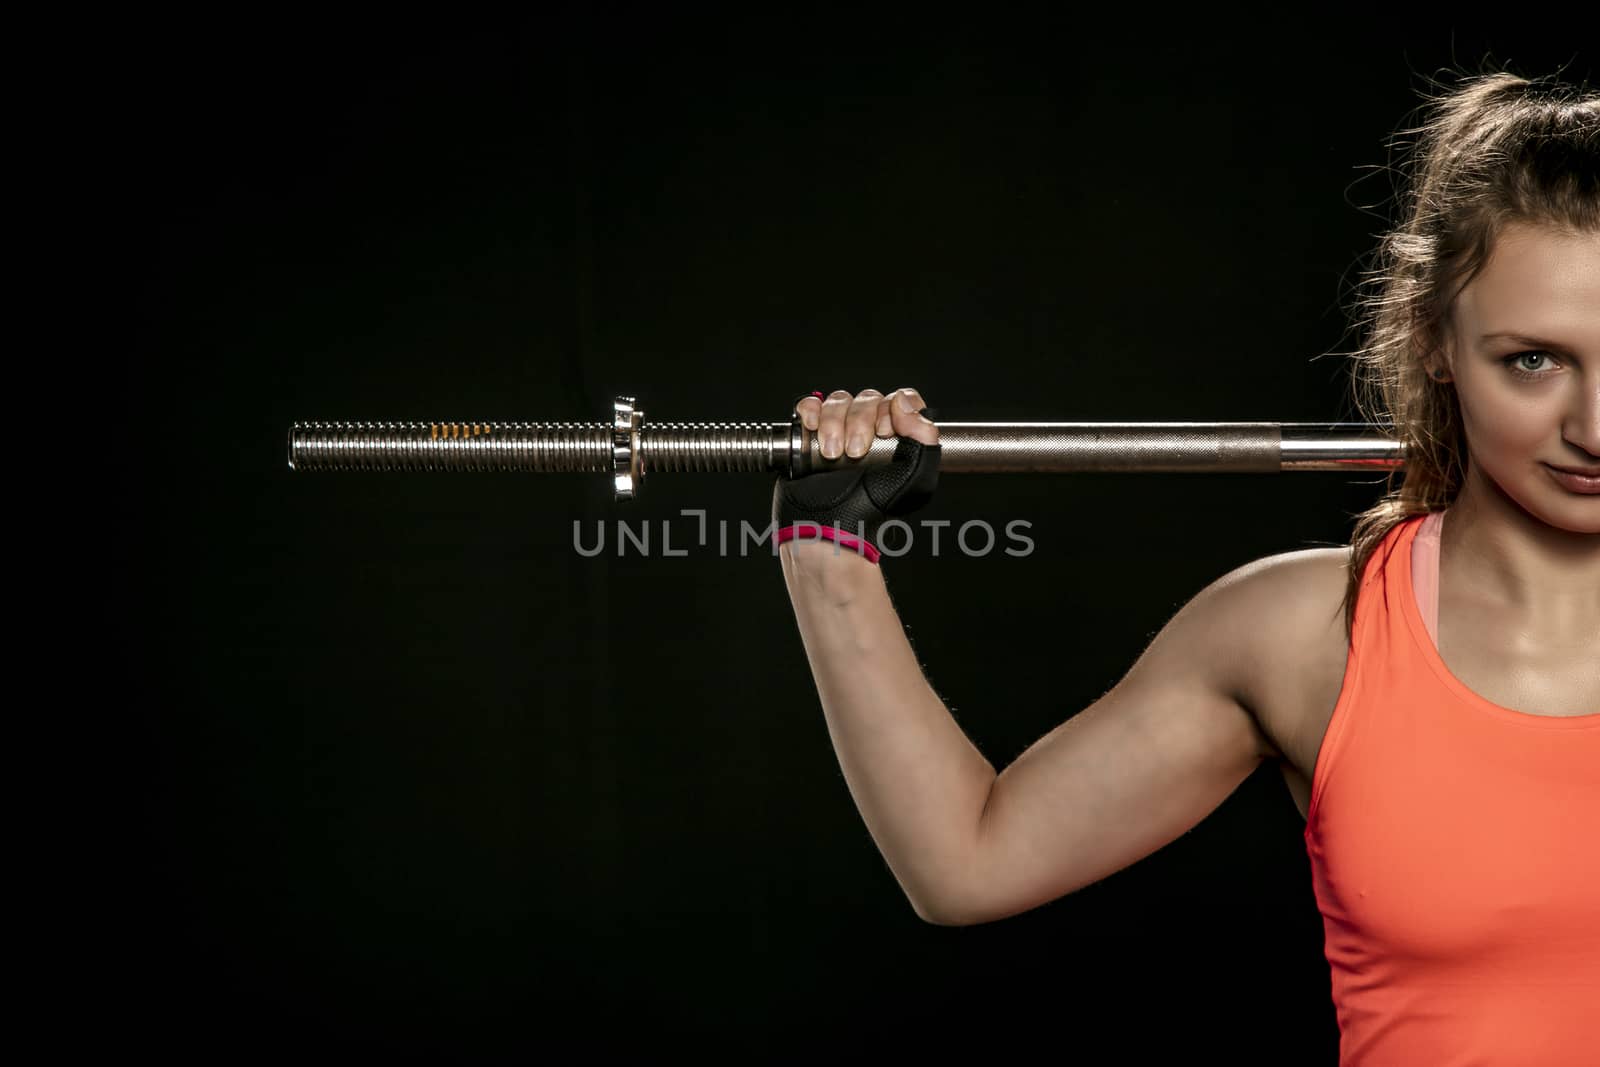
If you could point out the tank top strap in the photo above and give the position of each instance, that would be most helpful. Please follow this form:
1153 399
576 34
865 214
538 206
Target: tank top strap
1425 571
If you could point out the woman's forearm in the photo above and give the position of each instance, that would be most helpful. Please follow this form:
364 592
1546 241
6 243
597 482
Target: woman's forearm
919 783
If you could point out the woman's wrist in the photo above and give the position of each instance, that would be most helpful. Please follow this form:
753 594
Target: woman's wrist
821 568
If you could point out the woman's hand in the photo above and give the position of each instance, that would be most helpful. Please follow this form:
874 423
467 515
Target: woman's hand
850 504
846 424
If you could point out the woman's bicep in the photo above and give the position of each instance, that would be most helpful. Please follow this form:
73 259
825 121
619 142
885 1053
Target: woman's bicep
1131 772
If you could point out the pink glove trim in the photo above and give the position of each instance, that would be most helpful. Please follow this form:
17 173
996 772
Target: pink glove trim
842 538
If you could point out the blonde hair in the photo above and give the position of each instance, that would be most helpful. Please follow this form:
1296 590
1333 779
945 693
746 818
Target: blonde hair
1496 149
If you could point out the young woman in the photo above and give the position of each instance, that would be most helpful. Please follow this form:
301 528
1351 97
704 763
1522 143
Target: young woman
1431 691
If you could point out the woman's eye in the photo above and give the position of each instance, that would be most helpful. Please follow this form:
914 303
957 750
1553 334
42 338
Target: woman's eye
1517 367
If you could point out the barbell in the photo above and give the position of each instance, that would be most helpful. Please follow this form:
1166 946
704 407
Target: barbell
626 448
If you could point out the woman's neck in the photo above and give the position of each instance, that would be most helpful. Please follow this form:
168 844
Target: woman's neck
1504 558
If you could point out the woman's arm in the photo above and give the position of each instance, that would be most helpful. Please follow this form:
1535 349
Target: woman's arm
917 780
1141 765
1110 785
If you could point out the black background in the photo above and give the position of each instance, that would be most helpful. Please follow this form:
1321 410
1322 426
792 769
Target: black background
418 776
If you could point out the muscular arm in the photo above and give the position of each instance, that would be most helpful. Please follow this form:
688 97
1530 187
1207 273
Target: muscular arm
1117 781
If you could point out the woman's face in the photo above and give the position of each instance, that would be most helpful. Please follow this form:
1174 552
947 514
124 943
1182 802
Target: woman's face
1532 399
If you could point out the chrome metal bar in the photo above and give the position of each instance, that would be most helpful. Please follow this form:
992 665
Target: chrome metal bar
628 448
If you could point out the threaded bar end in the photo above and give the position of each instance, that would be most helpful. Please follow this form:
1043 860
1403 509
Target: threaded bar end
577 447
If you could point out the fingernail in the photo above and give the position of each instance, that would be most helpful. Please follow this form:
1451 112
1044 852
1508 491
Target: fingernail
905 402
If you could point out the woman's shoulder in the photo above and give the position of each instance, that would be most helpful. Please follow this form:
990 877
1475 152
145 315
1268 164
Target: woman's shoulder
1298 588
1287 610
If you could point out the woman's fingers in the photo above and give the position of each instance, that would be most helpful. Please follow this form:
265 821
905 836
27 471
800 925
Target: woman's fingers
903 407
885 426
808 408
845 424
830 423
861 422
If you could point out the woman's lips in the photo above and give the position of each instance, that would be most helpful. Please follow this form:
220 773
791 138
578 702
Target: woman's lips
1577 483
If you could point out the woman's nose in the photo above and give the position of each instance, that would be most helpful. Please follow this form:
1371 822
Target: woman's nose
1582 428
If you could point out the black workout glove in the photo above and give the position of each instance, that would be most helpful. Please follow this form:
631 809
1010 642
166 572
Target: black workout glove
850 506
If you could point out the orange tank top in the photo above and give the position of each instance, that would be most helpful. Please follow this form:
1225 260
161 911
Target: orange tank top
1455 854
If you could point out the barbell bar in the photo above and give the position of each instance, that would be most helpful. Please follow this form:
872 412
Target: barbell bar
627 449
